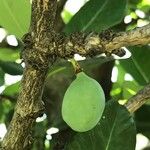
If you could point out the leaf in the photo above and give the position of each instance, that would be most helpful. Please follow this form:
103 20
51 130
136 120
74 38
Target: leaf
138 64
15 16
115 131
66 67
143 123
11 68
66 15
124 88
5 107
129 88
97 15
8 54
1 113
12 89
2 77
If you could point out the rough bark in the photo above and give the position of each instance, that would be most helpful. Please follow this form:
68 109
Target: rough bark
139 99
37 56
42 47
107 42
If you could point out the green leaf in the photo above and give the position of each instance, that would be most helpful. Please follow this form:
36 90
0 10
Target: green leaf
5 107
12 89
8 54
124 88
15 16
66 67
138 64
97 15
143 123
115 131
1 77
1 113
66 15
129 88
11 68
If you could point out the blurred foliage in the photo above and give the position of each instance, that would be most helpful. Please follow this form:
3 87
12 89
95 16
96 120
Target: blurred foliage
132 75
110 133
15 18
139 64
98 17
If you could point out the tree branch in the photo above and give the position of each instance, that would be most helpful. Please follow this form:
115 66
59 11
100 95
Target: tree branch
29 104
59 21
139 99
61 4
108 42
138 36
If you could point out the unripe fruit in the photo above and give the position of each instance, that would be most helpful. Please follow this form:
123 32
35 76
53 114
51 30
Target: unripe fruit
83 103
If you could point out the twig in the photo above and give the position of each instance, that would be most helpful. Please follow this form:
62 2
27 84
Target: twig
107 42
139 99
138 36
59 21
60 6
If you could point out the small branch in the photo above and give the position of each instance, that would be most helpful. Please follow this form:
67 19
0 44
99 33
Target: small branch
108 42
139 99
59 21
138 36
60 6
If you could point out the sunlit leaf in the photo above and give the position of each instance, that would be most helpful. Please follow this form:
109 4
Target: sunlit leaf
8 54
97 15
138 64
12 89
15 16
11 68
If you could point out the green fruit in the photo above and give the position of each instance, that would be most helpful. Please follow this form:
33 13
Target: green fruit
83 103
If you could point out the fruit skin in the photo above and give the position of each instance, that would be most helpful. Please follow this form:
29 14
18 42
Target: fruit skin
83 103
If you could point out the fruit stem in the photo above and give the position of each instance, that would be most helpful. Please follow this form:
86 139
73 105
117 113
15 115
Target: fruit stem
76 66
